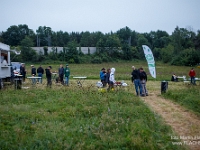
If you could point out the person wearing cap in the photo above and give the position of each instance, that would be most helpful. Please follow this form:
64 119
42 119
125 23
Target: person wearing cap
136 81
67 74
61 73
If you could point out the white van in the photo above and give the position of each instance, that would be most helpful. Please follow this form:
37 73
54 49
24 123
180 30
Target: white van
5 69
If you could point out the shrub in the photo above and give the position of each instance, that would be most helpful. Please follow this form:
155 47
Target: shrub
96 60
71 61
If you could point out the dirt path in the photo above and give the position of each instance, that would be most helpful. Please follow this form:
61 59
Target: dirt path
184 123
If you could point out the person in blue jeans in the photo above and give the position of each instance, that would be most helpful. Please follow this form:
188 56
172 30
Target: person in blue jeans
40 72
136 81
33 73
143 80
67 74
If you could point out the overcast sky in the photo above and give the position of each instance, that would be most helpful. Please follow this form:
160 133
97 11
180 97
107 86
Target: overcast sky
101 15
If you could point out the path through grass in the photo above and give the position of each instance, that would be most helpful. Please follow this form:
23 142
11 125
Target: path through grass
181 118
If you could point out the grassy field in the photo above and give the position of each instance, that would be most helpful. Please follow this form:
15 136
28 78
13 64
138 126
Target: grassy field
187 97
123 70
84 118
79 118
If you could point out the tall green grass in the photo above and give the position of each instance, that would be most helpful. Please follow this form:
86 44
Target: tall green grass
188 97
79 118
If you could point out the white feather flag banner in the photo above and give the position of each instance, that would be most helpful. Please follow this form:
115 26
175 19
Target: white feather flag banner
150 60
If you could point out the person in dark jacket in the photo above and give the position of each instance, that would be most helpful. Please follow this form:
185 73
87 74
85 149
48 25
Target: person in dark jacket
23 72
61 73
102 76
107 76
136 80
174 78
33 72
48 76
143 80
40 72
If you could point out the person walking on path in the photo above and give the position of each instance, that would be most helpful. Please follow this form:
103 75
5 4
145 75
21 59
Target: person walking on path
61 73
192 75
40 72
136 81
67 74
48 76
143 80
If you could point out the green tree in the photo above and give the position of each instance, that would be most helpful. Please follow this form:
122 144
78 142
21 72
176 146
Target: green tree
45 50
113 44
166 53
95 37
188 57
101 46
124 33
44 36
182 39
141 41
15 34
85 39
75 36
27 53
60 38
72 52
197 41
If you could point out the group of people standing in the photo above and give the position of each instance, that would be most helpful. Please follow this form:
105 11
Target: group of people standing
108 77
138 76
34 71
62 72
139 79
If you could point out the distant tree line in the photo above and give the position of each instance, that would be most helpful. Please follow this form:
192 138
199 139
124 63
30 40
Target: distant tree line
180 48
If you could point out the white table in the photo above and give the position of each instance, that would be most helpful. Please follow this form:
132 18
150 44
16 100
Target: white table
180 77
33 79
80 80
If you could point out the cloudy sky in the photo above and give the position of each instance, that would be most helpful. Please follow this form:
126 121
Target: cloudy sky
101 15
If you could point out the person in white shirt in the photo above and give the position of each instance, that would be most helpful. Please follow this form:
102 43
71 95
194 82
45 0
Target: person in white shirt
112 79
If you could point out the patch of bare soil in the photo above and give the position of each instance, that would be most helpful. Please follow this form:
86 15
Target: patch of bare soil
183 122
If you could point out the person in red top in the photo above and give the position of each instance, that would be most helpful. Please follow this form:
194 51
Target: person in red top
192 75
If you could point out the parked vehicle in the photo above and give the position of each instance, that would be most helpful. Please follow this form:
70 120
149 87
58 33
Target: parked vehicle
5 69
16 67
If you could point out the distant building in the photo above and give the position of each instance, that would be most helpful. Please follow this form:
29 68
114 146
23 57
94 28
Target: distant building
85 50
